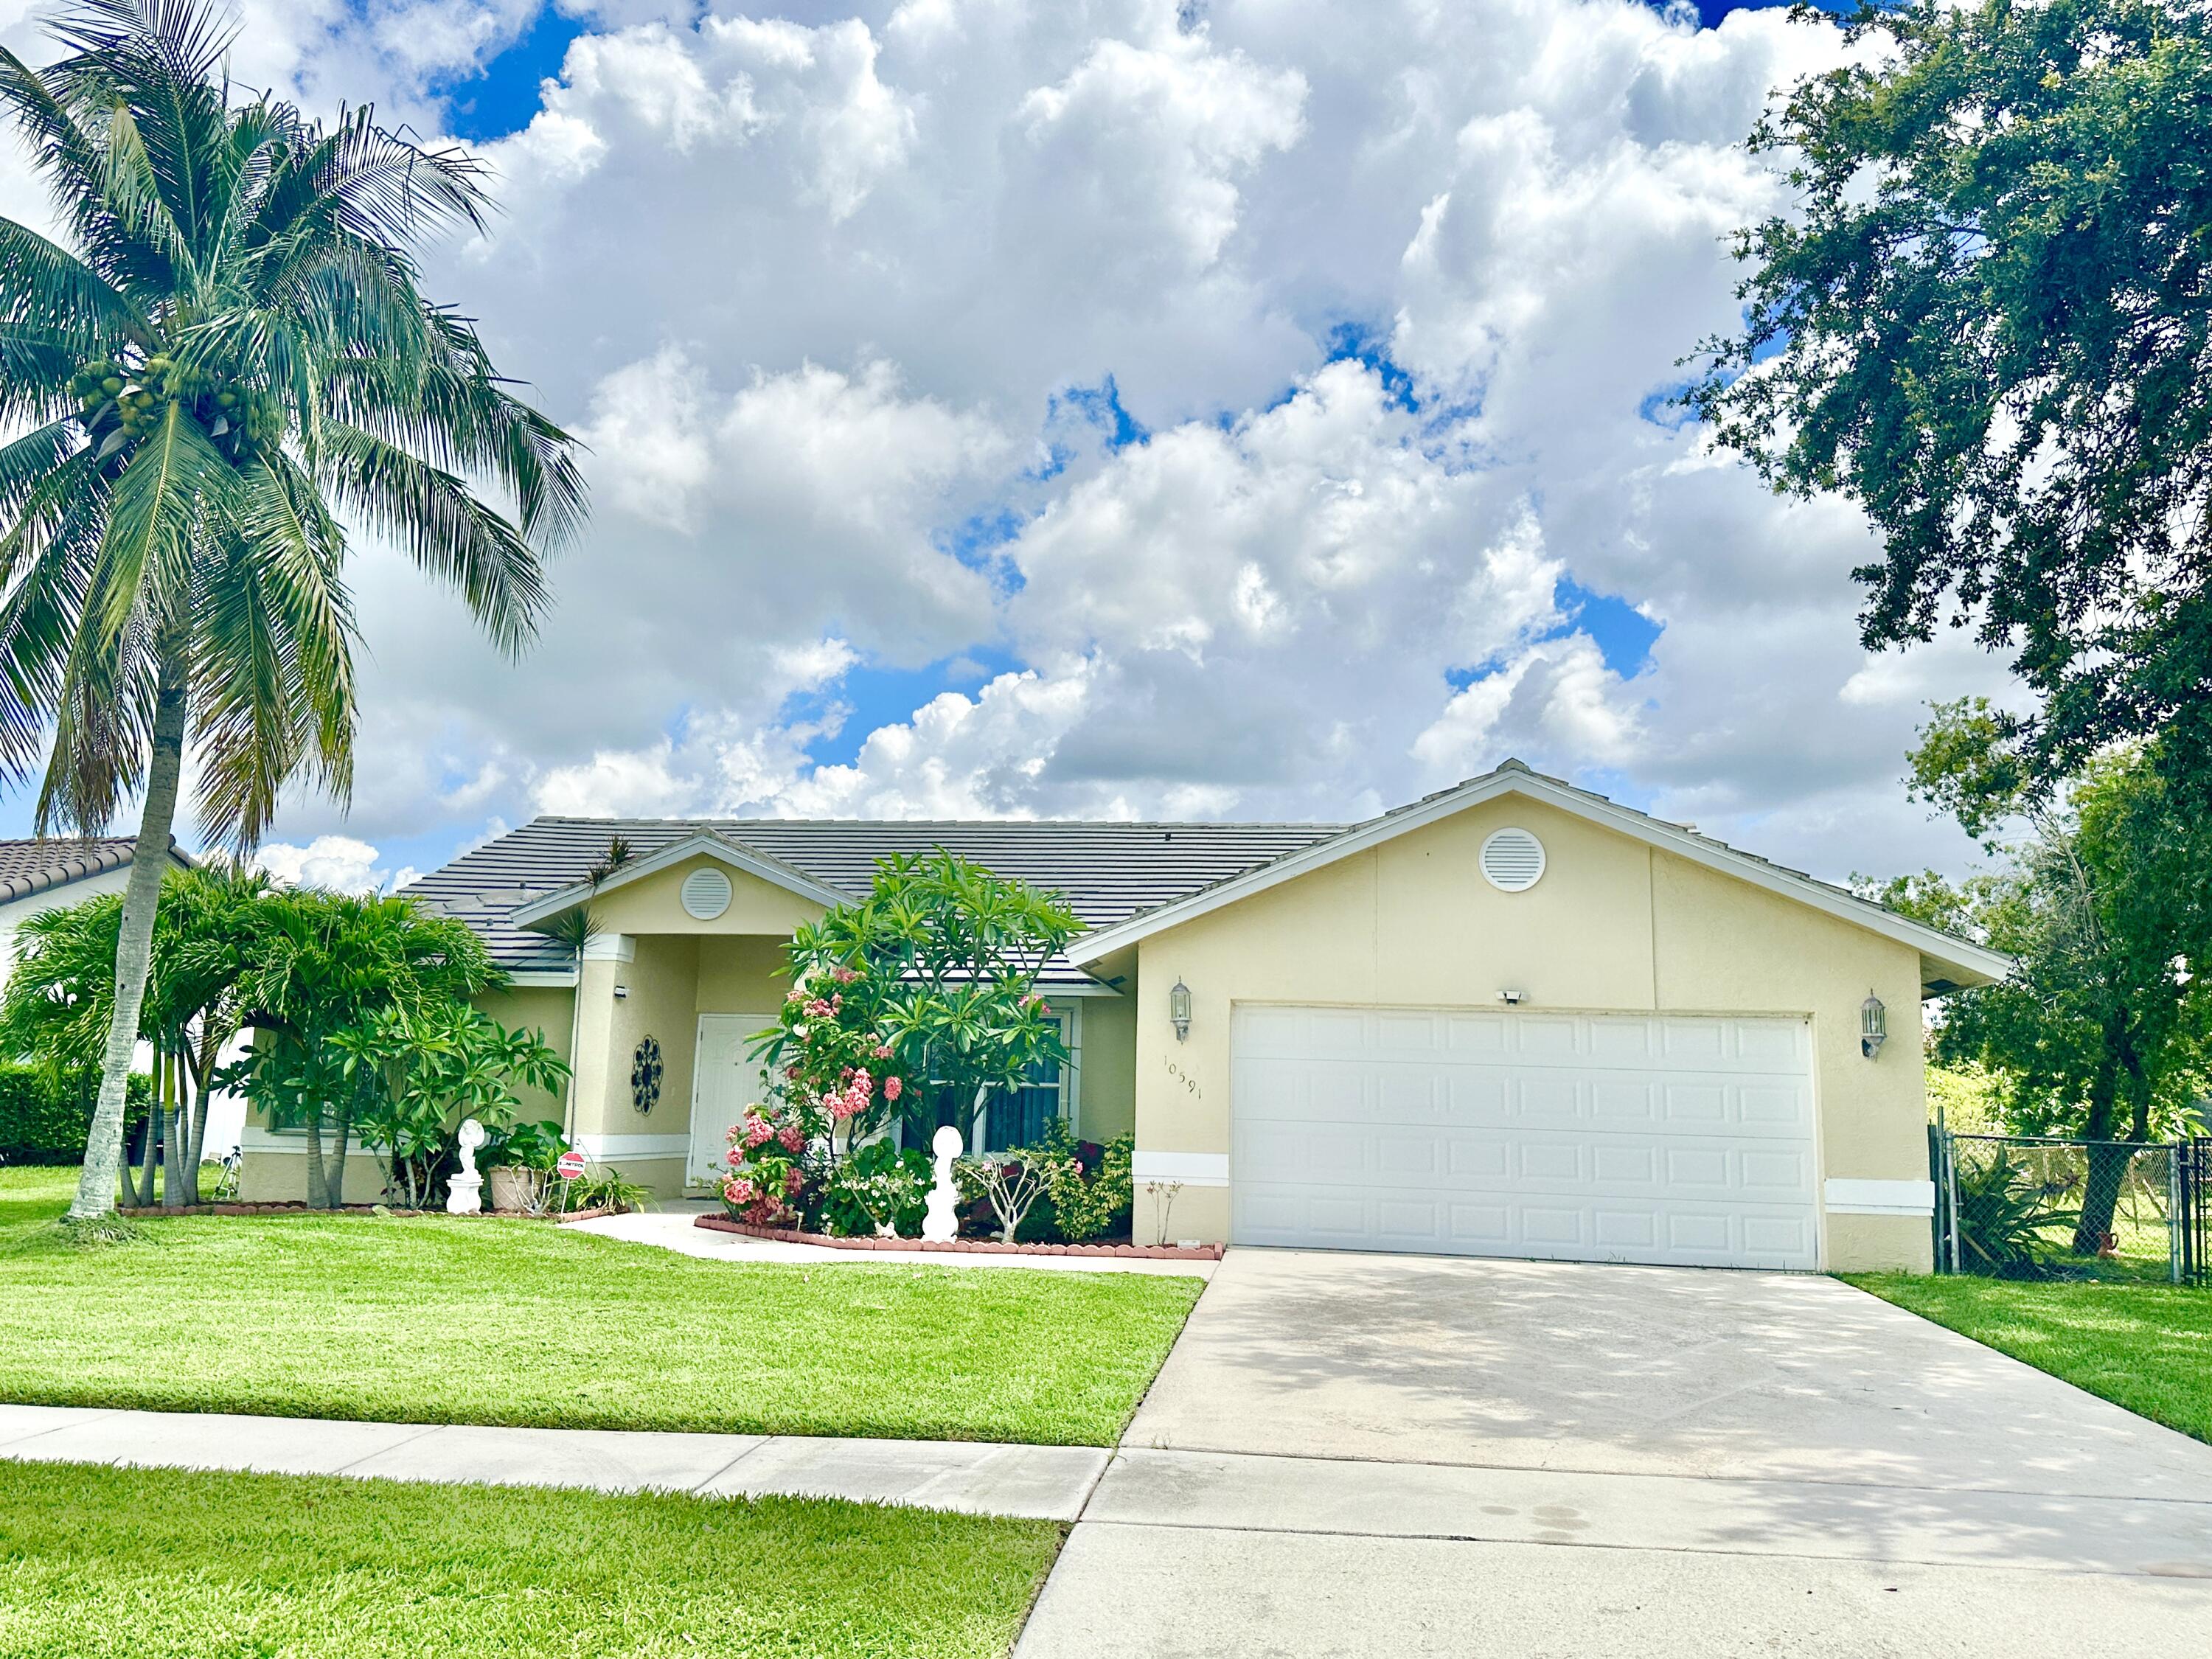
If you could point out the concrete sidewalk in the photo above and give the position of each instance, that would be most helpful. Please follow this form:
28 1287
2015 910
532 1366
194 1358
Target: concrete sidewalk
1049 1483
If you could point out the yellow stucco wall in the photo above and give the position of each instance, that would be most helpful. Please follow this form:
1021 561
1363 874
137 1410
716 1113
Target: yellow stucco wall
741 976
268 1176
1613 926
1108 1081
653 904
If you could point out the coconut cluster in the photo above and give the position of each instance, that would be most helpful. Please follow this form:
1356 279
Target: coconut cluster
129 401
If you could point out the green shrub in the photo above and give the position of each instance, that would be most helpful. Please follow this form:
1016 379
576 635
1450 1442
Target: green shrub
1087 1185
45 1119
604 1188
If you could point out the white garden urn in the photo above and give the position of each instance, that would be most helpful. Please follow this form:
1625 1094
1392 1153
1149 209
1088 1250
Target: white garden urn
941 1222
464 1192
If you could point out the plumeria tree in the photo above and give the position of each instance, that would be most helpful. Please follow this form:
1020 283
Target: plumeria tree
223 361
919 1003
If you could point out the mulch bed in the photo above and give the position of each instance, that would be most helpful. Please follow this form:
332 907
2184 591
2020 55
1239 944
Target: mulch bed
971 1246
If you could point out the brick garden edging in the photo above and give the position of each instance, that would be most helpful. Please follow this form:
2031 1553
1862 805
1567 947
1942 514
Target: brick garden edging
970 1246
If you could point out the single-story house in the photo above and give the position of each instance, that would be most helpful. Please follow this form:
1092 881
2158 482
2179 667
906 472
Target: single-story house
49 871
1512 1018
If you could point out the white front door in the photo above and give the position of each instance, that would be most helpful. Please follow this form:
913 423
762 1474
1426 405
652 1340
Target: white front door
725 1081
1652 1137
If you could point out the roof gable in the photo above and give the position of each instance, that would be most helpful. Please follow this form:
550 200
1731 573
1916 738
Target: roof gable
1960 962
707 843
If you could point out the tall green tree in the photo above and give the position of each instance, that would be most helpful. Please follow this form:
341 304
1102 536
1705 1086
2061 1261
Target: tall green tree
228 352
2104 1031
328 963
60 998
1987 320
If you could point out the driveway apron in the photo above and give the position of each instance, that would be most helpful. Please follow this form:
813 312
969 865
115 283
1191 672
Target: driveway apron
1359 1454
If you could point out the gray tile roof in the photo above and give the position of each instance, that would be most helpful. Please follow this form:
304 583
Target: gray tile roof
1107 872
33 867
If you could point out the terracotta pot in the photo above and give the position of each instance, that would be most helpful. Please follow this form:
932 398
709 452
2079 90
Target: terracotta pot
514 1188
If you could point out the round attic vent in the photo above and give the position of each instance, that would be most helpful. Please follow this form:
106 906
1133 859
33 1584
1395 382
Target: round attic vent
706 894
1512 861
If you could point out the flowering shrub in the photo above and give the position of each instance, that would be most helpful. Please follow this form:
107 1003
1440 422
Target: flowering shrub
768 1175
876 1189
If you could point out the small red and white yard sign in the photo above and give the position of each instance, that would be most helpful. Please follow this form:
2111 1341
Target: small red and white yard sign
570 1166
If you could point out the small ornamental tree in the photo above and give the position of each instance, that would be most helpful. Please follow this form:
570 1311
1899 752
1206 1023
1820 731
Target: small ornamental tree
435 1064
919 1003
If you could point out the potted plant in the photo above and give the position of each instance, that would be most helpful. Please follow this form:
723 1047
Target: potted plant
519 1161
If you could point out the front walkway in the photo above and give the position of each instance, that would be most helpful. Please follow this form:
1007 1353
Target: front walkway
674 1227
1048 1483
1351 1454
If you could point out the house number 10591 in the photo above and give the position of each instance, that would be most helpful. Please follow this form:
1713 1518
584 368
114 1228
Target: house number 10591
1186 1081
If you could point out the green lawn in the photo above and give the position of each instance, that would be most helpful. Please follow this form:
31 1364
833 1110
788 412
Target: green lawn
2147 1348
433 1319
143 1564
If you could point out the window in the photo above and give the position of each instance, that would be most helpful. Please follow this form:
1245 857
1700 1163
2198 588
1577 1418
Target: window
1019 1118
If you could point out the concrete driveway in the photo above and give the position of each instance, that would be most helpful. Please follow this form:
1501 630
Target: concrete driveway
1410 1456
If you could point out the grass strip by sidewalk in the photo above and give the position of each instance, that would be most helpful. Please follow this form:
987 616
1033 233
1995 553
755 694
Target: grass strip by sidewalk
438 1319
2147 1348
144 1563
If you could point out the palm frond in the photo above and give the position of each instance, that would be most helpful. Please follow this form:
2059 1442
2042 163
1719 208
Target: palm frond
431 516
454 411
274 690
46 563
46 287
28 462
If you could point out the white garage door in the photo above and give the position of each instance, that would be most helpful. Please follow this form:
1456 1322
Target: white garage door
1574 1137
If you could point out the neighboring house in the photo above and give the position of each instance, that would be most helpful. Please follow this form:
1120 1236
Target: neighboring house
41 875
1514 1019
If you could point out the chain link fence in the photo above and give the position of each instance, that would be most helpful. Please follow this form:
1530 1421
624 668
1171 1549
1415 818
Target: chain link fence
2023 1206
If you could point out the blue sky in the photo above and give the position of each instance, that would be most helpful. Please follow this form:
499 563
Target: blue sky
1109 417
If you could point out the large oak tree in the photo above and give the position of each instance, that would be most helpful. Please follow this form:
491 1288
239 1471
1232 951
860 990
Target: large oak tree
1986 319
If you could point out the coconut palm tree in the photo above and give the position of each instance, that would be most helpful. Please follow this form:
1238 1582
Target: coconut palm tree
227 353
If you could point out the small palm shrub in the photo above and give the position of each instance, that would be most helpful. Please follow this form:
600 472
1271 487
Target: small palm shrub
2004 1215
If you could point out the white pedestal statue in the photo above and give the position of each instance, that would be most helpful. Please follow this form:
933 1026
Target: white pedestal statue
464 1192
940 1221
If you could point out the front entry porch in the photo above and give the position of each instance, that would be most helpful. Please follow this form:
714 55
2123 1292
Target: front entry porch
665 1031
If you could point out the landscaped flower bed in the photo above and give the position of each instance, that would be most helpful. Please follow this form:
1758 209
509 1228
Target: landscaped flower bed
794 1235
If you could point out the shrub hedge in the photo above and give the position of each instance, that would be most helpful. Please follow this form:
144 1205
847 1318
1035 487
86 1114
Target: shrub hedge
45 1120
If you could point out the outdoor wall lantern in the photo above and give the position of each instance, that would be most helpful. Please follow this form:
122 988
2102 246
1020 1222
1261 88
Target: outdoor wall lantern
1874 1026
1179 1009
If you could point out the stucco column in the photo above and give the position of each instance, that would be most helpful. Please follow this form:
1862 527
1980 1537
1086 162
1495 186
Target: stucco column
607 963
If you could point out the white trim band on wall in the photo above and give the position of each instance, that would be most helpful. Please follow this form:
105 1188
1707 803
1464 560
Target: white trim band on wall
1846 1197
611 947
635 1145
1192 1168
